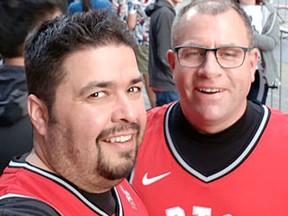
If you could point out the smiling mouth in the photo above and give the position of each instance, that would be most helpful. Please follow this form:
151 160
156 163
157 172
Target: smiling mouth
209 90
119 139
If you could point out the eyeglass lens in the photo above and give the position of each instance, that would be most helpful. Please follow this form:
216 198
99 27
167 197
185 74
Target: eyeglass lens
227 57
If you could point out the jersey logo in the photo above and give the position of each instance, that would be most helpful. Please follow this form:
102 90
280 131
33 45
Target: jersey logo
147 181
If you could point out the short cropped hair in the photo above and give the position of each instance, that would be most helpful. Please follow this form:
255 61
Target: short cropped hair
18 17
213 7
47 48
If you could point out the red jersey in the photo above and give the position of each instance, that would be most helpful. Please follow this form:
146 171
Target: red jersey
256 183
23 180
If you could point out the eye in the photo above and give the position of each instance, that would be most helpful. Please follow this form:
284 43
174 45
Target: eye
191 52
134 89
97 95
229 52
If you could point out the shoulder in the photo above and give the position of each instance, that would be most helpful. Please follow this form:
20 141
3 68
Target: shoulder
166 11
156 117
276 130
280 118
20 206
269 6
157 111
269 10
74 7
164 15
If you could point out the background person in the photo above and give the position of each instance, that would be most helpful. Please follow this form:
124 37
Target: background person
139 22
81 157
17 18
162 14
121 8
86 5
213 152
265 24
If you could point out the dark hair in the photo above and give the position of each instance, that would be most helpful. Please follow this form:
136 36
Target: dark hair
213 7
47 48
86 5
259 2
18 17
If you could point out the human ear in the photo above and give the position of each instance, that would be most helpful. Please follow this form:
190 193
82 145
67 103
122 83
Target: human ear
38 114
171 59
253 60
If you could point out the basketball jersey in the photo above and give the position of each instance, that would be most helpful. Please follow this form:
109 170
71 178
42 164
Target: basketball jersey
256 183
23 180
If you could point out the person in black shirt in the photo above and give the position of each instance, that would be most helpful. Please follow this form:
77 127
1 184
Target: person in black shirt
17 19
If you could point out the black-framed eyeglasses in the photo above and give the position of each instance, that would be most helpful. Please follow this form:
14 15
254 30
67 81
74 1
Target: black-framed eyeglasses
227 56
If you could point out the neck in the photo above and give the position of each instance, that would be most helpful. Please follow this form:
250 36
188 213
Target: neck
205 125
17 61
33 159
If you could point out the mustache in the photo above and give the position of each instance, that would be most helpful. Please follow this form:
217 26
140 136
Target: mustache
119 128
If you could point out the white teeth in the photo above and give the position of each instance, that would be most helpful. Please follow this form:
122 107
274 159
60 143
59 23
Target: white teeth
119 139
209 90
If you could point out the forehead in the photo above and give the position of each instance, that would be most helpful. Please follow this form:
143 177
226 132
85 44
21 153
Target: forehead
115 63
225 28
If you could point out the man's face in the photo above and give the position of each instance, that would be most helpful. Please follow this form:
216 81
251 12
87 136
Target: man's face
98 116
212 97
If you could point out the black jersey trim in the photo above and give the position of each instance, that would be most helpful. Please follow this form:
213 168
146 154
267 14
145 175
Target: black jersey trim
68 187
229 168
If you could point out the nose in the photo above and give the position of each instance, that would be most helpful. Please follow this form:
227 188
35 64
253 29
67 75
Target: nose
210 67
125 109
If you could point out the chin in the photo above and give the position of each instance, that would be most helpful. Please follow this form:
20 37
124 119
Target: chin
119 168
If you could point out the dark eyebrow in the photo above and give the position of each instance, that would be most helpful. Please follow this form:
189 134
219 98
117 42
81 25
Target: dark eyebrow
96 84
137 80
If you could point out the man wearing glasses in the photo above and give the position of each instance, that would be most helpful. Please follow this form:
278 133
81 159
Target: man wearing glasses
213 152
